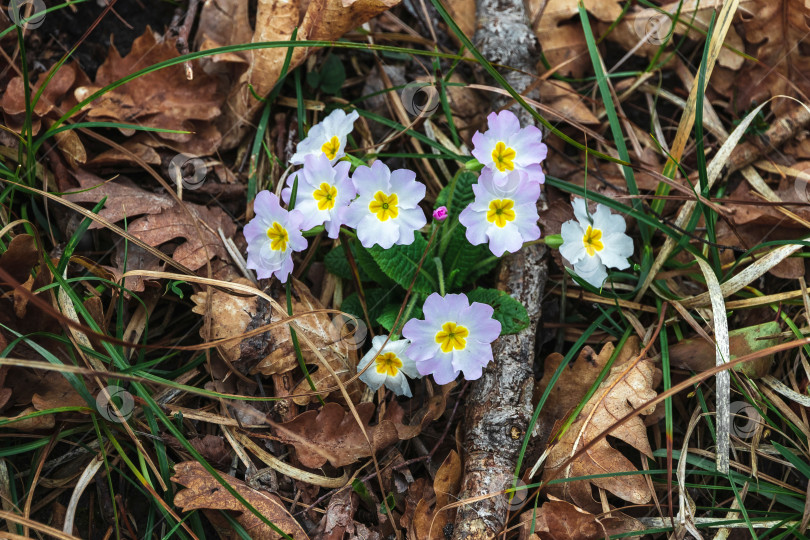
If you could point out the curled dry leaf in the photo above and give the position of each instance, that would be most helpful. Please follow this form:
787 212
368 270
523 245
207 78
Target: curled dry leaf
429 517
165 220
561 520
230 316
161 99
325 20
56 94
628 385
328 332
332 434
205 492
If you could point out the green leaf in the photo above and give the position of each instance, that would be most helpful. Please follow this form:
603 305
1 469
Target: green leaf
401 262
462 194
461 259
337 264
390 312
333 75
508 311
376 302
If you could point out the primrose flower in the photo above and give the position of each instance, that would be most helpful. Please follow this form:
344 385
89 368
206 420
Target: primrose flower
592 243
323 192
506 221
272 236
441 213
390 367
386 212
327 137
505 147
454 336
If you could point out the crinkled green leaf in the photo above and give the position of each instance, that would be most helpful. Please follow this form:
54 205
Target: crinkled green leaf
400 263
390 312
376 301
337 263
508 311
462 194
461 257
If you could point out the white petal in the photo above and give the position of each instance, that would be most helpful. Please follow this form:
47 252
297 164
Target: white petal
572 249
591 270
618 247
581 212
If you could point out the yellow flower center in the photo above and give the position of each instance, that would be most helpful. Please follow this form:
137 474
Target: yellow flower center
388 364
331 147
385 206
452 336
278 237
325 196
593 241
500 211
504 157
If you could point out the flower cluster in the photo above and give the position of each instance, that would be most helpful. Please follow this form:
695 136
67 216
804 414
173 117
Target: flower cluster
383 206
504 212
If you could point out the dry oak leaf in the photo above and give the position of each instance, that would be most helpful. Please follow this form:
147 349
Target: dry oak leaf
205 492
561 520
429 519
326 331
560 38
332 434
161 99
230 316
165 220
55 94
628 385
777 34
324 20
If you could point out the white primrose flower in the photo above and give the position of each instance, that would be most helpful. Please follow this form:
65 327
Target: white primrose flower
391 368
387 211
593 242
327 137
323 192
506 222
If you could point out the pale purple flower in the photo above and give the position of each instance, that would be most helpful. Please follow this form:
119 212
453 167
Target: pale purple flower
327 137
323 192
272 236
386 212
392 366
593 242
440 214
505 221
454 337
505 147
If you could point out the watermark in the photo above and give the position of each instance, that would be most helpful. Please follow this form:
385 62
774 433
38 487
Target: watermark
801 186
653 29
27 18
348 331
507 186
420 98
189 170
115 397
745 419
515 496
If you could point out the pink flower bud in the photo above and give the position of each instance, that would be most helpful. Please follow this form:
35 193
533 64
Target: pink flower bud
440 214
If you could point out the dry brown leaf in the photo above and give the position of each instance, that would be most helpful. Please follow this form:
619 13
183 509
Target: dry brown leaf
776 33
205 492
562 40
560 520
332 434
338 519
161 99
648 27
324 330
230 316
55 94
628 385
565 102
124 198
45 421
429 520
325 20
19 259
